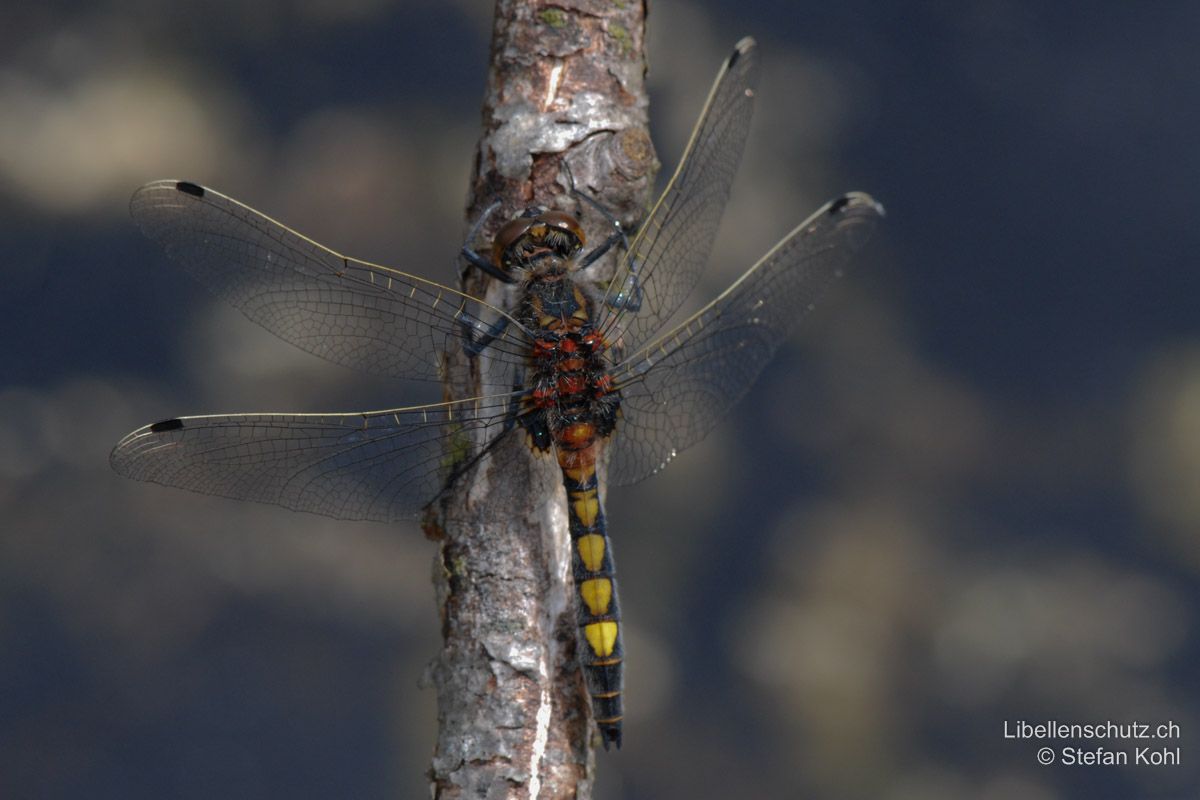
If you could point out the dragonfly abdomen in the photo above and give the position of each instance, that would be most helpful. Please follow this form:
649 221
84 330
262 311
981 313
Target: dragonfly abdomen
598 613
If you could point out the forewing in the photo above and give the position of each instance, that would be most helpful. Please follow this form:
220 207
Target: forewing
673 245
357 314
382 466
674 391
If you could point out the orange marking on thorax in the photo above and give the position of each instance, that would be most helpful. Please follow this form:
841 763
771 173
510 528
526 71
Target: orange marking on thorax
571 384
594 341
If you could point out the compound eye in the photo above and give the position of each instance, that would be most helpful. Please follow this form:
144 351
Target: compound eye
563 221
564 232
507 236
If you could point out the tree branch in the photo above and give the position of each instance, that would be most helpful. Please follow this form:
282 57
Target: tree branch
566 84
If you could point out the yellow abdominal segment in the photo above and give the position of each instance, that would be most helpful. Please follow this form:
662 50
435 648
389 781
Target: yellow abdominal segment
586 506
596 594
601 636
591 550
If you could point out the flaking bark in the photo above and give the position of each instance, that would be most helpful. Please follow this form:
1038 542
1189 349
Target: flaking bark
566 83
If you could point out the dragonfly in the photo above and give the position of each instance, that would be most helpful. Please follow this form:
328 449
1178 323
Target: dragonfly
587 371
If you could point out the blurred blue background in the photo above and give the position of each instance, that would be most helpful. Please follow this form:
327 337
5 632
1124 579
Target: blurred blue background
967 493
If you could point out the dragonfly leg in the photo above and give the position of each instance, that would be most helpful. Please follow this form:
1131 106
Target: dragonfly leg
618 234
473 258
604 247
534 421
630 296
471 345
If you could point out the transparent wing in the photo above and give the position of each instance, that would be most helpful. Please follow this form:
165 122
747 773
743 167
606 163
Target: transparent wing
348 311
673 245
383 465
674 391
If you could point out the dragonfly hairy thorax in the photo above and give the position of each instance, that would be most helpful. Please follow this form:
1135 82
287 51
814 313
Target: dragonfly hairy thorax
560 380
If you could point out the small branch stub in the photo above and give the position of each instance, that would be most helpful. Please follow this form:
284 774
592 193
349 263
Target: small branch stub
565 84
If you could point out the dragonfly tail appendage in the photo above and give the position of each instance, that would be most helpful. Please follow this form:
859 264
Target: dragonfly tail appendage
598 612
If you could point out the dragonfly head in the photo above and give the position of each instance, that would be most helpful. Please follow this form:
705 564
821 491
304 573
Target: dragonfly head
538 239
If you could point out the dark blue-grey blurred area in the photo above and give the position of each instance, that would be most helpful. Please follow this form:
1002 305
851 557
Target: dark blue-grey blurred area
967 494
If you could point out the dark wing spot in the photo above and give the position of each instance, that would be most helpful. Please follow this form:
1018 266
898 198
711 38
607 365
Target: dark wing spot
195 190
167 424
839 204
